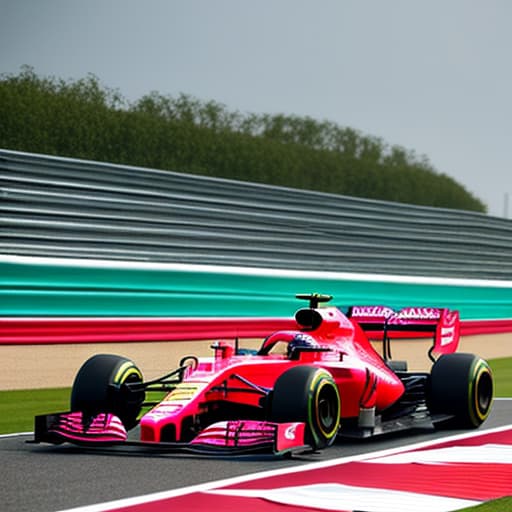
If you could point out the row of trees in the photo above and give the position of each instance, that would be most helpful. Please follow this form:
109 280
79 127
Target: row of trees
84 119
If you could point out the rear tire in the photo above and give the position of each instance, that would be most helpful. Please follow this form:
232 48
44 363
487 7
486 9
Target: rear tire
461 385
310 395
99 387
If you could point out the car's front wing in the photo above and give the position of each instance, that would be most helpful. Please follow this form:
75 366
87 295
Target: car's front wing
235 437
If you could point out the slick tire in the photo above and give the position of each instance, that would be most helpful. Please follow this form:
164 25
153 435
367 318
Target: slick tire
99 386
308 394
461 385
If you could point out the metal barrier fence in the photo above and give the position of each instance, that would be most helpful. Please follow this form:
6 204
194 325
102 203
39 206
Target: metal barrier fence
68 208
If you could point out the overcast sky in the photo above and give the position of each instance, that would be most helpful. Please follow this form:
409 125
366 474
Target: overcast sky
431 76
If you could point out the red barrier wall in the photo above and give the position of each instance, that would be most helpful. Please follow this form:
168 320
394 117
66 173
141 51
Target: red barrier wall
40 331
37 331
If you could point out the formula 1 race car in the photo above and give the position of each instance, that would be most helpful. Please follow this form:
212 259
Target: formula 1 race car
298 392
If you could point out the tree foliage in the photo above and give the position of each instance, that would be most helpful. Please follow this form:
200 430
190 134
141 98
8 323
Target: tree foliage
84 119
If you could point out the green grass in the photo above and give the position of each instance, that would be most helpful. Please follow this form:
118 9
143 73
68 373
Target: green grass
18 408
501 505
502 371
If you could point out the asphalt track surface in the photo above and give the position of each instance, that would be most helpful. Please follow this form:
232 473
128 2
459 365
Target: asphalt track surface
48 478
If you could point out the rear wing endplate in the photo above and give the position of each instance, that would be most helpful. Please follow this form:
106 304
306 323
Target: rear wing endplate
443 324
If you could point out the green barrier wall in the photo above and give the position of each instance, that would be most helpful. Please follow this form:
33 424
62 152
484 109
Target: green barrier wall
44 287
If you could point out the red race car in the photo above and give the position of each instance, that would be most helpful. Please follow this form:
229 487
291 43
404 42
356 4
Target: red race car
299 391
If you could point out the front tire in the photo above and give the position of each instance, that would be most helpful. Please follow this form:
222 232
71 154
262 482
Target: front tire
310 395
99 386
461 385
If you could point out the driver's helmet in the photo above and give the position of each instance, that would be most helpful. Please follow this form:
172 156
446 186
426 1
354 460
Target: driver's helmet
301 340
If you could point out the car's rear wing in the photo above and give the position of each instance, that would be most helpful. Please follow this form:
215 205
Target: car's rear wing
443 324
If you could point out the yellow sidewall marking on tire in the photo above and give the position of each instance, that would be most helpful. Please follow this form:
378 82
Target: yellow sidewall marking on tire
323 375
125 370
481 371
477 415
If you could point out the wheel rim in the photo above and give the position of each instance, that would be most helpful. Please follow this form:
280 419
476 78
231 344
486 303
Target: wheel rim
483 392
327 409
